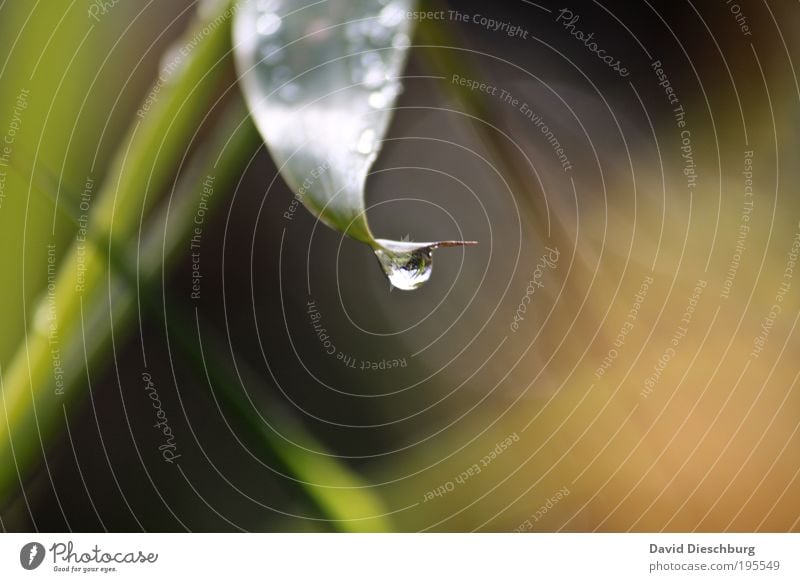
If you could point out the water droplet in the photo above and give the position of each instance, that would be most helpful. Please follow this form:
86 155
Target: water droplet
408 265
268 24
391 15
366 142
377 100
406 270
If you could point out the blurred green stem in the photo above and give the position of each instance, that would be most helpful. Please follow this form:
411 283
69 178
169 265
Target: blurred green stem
76 318
71 324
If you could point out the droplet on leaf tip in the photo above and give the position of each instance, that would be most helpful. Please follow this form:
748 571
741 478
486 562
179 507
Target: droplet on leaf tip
406 271
409 265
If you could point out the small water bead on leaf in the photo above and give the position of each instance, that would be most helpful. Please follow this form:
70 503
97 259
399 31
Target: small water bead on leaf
321 83
268 24
377 100
391 15
366 142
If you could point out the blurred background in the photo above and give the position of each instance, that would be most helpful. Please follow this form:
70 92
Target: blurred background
183 348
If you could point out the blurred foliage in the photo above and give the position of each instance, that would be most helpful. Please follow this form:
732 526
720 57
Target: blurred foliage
77 318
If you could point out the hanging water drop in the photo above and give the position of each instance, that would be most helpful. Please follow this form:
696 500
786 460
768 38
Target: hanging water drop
406 271
409 265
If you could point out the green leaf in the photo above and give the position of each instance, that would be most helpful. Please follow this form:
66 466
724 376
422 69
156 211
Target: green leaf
321 82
